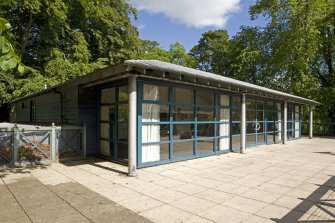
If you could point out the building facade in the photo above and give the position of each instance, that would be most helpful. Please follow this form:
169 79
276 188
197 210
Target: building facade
145 113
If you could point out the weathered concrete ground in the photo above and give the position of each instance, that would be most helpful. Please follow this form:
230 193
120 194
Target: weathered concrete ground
26 198
277 183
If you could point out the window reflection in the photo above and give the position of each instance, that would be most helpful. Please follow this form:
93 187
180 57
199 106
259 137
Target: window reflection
251 104
205 98
183 131
183 96
236 142
236 115
108 96
183 149
205 130
205 114
236 128
205 146
123 93
155 113
224 100
236 102
183 113
155 93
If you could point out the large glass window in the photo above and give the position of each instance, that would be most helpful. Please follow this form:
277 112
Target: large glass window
155 123
182 122
236 122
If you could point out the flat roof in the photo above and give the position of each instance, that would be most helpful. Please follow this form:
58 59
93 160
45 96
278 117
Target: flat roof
164 67
173 68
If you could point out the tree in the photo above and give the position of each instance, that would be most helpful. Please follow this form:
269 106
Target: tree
301 45
13 74
79 31
151 50
178 55
211 52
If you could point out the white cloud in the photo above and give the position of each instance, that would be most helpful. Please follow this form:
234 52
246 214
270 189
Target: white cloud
193 13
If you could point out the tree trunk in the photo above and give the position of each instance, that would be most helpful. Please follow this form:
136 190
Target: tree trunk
25 35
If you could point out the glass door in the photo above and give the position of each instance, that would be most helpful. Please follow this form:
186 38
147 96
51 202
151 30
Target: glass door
255 122
113 121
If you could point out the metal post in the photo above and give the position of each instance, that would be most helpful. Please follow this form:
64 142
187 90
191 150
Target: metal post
243 124
310 121
53 143
83 138
285 123
16 145
132 126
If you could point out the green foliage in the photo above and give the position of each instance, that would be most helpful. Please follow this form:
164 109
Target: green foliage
60 40
211 51
300 48
42 25
151 50
8 57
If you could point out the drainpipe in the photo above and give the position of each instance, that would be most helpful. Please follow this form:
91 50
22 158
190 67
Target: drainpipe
132 126
243 124
285 123
310 121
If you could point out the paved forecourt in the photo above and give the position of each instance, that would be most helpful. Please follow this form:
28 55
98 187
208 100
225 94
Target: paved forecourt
277 183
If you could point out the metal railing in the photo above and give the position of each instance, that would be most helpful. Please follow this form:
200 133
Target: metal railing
319 129
27 145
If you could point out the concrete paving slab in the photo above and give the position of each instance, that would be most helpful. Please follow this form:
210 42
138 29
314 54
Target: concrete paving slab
277 183
167 214
29 200
221 213
193 204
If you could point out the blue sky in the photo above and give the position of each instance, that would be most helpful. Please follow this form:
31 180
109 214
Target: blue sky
165 24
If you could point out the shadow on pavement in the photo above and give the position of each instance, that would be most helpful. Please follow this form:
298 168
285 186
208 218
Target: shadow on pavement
322 200
327 153
19 170
93 161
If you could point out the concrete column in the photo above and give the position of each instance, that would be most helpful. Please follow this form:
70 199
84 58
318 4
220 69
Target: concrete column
285 123
132 126
310 121
243 123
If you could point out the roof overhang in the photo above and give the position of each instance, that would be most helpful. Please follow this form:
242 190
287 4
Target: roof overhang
167 71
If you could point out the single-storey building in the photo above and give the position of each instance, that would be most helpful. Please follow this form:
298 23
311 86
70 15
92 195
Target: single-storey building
148 112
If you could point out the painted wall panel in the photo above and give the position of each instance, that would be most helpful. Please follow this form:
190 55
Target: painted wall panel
87 115
48 108
23 111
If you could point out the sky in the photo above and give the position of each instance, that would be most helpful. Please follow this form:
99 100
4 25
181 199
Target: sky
169 21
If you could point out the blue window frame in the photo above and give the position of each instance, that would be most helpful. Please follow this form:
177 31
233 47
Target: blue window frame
255 121
192 128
